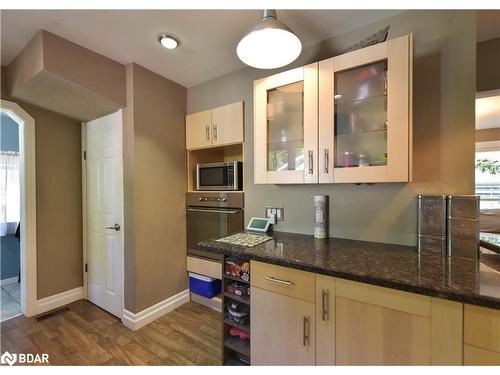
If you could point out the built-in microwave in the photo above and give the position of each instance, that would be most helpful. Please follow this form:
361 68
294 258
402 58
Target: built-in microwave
220 176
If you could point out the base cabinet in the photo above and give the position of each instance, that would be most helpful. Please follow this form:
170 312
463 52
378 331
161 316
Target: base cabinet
283 329
299 318
481 336
325 320
371 325
374 335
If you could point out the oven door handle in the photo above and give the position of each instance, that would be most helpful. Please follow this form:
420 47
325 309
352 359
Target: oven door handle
213 211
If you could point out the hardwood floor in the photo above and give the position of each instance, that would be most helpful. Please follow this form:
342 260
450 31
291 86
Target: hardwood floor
88 335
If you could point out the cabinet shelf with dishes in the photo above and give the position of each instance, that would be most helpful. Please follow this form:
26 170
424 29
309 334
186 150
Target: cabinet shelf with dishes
236 312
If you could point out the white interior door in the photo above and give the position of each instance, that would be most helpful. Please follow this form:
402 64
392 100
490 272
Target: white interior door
104 175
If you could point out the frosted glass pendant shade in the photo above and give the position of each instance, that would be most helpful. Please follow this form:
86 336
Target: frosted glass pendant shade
270 44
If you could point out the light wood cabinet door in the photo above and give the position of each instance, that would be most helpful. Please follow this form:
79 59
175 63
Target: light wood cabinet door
381 326
227 124
282 329
325 320
199 130
365 114
481 336
286 127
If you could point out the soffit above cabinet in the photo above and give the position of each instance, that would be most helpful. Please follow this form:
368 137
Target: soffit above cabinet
61 76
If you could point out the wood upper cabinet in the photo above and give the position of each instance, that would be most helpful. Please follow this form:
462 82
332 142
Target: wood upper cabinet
344 119
361 324
216 127
227 124
365 114
199 130
286 127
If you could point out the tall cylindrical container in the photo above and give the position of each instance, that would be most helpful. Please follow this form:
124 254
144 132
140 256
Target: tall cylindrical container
321 216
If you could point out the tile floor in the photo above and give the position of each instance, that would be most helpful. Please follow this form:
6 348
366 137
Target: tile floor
10 301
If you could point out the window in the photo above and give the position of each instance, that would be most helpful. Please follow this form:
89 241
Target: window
488 180
9 192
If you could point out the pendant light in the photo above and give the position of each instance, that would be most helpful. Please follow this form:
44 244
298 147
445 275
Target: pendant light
269 44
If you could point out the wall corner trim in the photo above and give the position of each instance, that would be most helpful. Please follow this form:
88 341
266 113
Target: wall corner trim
146 316
58 300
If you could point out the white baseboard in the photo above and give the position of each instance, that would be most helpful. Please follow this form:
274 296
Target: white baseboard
58 300
146 316
11 280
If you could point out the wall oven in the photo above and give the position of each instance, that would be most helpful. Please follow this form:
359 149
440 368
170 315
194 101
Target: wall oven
212 215
219 176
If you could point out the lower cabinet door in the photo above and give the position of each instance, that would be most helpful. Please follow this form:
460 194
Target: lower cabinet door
282 329
325 320
373 335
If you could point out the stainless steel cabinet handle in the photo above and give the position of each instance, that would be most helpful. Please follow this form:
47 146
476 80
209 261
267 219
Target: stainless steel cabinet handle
325 306
278 281
207 131
115 227
327 160
305 336
310 162
213 211
215 131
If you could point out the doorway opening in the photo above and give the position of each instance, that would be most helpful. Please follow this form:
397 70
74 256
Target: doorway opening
17 211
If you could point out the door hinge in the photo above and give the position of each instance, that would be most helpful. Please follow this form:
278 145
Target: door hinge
86 267
84 155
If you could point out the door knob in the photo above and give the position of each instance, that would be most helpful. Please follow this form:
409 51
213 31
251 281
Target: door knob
115 227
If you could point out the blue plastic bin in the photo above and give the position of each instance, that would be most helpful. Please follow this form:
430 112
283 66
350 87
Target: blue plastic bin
204 286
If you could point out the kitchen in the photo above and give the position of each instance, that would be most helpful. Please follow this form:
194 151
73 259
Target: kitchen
321 207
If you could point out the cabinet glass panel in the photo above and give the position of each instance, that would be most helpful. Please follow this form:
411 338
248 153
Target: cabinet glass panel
285 128
360 97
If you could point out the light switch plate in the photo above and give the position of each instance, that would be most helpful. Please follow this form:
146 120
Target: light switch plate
279 211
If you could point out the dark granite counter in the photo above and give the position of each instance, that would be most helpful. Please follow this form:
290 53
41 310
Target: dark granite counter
490 241
392 266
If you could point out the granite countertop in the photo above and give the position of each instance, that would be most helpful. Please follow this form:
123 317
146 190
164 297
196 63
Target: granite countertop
392 266
490 241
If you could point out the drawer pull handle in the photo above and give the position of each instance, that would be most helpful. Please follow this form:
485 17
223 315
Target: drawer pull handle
325 307
305 337
279 281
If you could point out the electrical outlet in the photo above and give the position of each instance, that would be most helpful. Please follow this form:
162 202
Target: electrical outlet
278 211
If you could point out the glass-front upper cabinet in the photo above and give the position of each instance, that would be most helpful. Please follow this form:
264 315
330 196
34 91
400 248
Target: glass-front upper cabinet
364 114
286 127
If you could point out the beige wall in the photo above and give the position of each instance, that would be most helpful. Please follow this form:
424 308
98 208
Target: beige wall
488 65
155 184
59 199
444 92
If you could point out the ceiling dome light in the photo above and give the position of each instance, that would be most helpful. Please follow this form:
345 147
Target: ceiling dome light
168 41
269 44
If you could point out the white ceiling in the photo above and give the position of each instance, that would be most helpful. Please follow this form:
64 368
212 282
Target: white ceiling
488 112
208 37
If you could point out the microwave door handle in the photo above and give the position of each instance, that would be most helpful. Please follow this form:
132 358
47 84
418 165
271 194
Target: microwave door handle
213 211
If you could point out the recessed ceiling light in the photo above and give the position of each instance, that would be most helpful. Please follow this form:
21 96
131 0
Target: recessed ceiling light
269 44
168 41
